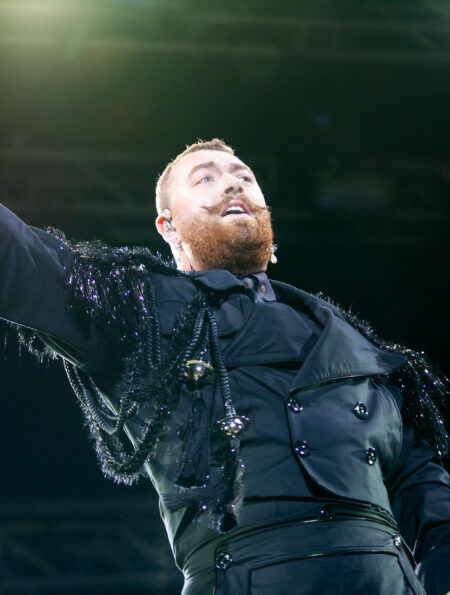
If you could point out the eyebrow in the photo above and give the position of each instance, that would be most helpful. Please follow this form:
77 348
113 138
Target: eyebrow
213 164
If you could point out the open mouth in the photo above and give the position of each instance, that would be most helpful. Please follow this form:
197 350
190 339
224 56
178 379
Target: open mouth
235 207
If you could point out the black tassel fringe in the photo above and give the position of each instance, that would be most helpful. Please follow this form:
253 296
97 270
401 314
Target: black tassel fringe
222 498
195 463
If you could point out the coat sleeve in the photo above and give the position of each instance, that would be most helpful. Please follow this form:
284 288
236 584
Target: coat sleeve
34 291
419 489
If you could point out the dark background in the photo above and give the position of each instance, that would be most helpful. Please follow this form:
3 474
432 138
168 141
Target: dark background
342 111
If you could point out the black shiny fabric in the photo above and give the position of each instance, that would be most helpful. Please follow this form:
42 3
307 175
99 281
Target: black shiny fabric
304 557
300 373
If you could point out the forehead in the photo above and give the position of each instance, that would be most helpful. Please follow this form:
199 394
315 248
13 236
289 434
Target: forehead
183 168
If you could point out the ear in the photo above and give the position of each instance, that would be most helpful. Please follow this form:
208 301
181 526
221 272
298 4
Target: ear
161 225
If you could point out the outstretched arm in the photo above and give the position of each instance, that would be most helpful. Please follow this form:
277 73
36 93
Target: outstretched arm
34 289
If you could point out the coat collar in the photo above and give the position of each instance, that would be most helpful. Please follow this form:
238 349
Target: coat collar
341 351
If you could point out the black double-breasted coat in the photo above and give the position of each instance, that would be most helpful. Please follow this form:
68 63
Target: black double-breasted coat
338 424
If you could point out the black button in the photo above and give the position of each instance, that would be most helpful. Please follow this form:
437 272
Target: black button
360 410
223 560
302 448
327 514
371 455
294 405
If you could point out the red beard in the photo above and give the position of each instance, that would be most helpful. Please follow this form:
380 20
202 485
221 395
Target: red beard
241 246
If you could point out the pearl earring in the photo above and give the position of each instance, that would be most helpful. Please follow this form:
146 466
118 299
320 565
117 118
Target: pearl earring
273 258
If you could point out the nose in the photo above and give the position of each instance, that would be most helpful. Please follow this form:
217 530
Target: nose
232 185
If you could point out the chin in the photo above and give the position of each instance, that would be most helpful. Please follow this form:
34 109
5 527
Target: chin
240 245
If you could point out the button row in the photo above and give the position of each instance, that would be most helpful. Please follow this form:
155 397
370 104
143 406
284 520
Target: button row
303 450
302 447
360 410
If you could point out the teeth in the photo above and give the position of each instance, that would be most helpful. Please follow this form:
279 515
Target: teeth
234 209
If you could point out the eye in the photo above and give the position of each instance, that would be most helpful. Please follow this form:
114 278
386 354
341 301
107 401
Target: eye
245 178
205 180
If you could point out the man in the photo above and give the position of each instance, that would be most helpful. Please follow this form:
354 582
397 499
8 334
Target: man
291 454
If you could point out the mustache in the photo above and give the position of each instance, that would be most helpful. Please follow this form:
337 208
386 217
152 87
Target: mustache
254 209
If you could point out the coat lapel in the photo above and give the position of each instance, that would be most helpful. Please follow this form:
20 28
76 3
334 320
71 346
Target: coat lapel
341 351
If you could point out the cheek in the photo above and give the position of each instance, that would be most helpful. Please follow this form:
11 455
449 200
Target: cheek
187 221
183 208
258 198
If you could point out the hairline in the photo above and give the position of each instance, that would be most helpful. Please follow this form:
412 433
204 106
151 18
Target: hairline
178 159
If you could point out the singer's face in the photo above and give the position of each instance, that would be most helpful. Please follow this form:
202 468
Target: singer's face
219 213
203 180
